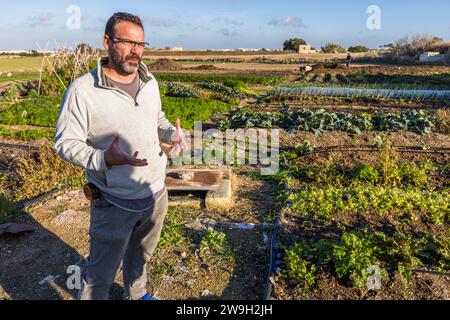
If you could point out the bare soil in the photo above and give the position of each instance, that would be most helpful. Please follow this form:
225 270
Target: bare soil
175 272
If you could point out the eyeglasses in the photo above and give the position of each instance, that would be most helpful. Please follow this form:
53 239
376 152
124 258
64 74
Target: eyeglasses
129 43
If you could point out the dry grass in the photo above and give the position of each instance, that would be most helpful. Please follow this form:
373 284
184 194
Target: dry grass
37 175
443 120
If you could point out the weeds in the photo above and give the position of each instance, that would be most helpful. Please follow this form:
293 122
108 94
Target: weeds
215 244
172 234
6 209
37 175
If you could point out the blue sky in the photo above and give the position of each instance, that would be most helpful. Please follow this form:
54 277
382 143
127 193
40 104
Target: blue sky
215 24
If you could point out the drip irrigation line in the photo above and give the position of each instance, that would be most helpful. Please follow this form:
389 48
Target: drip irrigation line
269 279
19 146
26 203
374 150
272 256
371 148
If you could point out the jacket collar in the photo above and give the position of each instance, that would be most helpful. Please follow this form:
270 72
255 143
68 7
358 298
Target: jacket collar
143 72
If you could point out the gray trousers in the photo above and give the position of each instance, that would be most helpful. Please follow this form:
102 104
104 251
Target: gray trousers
116 235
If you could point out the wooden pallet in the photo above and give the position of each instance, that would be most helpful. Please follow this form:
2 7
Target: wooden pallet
215 183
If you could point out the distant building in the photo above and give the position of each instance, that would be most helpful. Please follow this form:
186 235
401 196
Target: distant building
431 57
171 48
386 47
247 49
15 52
26 52
305 48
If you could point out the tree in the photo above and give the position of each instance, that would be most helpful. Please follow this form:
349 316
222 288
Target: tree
293 44
83 48
415 46
333 48
358 48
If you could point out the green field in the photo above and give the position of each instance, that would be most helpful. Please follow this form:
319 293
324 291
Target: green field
19 76
20 64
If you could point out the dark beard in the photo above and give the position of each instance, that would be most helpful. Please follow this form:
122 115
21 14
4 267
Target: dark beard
122 65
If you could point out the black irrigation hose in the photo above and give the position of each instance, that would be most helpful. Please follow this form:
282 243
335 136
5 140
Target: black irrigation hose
371 148
438 273
19 146
273 241
375 147
349 147
269 285
26 203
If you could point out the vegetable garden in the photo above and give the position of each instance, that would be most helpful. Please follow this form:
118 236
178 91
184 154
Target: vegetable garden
360 208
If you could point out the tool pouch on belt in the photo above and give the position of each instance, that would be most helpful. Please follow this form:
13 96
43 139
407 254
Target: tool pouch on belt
91 192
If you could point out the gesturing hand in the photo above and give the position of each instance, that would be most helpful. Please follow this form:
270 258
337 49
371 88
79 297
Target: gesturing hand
115 156
178 142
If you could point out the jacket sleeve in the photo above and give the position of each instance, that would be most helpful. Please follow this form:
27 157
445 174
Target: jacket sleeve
71 134
165 128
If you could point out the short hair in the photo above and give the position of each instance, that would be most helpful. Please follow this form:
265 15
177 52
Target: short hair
121 16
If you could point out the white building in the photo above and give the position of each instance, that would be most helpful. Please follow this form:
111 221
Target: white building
431 57
305 48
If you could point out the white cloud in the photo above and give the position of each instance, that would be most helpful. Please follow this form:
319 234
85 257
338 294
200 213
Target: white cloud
227 21
227 32
158 22
289 21
43 19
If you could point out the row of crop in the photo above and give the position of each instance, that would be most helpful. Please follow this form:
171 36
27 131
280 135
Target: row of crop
381 80
44 112
19 76
27 134
329 201
361 224
387 173
190 110
229 93
219 88
360 91
389 186
250 79
175 90
358 255
318 121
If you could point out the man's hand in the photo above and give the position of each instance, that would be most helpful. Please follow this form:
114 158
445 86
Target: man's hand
115 156
178 142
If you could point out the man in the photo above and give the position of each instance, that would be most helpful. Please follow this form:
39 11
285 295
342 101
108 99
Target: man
106 118
348 60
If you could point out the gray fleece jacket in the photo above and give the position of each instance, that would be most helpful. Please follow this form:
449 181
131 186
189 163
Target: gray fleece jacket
91 112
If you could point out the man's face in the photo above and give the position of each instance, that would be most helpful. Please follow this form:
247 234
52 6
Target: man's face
125 57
